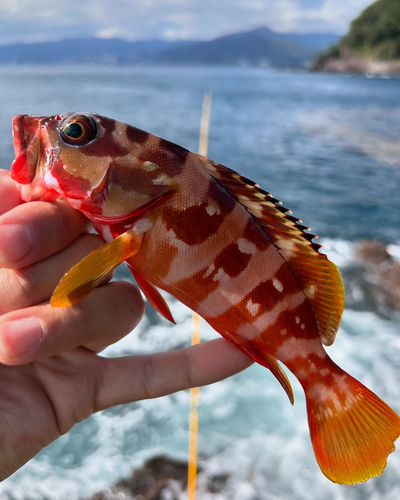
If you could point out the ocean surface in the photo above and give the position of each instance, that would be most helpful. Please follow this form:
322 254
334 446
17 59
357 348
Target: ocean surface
328 146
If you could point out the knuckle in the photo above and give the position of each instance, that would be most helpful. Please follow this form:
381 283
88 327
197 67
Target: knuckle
16 290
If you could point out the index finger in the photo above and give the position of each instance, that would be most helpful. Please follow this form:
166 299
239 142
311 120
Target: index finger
9 196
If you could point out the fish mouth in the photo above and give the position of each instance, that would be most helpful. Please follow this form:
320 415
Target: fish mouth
27 148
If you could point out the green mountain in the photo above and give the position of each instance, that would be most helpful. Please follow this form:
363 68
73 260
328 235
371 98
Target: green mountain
372 44
376 32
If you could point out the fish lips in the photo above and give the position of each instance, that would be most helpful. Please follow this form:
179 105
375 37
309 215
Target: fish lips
26 131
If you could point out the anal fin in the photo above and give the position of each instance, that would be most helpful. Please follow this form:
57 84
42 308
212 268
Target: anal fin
269 362
153 295
273 364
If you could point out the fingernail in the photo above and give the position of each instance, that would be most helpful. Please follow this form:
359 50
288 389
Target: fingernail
15 243
18 338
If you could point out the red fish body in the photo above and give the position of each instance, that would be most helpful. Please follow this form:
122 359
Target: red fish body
223 247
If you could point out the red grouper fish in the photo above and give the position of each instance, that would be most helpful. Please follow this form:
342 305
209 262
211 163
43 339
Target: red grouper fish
222 246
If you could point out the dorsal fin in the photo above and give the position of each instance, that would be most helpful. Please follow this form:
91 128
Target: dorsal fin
320 278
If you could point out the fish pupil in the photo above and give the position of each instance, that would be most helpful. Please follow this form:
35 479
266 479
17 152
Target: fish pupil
74 130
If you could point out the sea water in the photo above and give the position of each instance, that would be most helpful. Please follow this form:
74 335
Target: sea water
328 146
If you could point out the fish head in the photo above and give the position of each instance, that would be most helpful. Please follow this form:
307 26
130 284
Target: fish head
91 161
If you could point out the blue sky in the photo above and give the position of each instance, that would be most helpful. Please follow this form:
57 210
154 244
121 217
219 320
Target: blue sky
40 20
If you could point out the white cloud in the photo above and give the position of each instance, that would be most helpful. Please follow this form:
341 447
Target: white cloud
30 20
109 33
336 14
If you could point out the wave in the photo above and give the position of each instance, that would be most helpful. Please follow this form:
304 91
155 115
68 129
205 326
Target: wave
371 131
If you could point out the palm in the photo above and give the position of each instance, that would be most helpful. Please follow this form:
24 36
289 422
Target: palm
42 400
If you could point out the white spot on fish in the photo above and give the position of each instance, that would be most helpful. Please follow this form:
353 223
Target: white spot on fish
209 271
297 319
293 347
288 246
283 331
266 321
277 284
310 291
302 326
324 372
246 246
220 300
252 307
213 208
221 276
149 165
159 181
143 225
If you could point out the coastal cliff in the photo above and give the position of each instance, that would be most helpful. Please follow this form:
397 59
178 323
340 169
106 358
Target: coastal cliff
372 45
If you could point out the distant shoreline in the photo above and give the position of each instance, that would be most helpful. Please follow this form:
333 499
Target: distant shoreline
350 67
358 66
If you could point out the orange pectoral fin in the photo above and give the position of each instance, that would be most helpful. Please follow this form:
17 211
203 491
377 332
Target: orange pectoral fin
153 295
85 276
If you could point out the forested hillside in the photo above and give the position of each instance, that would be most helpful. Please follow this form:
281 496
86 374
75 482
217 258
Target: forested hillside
376 32
371 45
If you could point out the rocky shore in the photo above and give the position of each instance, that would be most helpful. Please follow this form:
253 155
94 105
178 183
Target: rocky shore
162 478
357 66
372 283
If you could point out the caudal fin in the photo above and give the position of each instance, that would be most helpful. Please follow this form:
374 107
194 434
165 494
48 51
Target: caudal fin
352 430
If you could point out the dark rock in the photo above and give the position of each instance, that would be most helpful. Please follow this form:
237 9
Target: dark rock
217 483
373 283
390 279
157 477
372 252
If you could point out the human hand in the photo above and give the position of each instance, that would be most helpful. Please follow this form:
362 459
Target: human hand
51 375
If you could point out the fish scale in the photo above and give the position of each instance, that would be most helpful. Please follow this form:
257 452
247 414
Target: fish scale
221 245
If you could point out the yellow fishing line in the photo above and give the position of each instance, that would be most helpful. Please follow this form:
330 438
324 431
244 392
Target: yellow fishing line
194 392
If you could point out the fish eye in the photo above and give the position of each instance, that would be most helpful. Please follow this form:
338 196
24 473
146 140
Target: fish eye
78 131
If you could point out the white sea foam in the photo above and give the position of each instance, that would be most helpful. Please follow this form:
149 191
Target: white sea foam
338 251
394 251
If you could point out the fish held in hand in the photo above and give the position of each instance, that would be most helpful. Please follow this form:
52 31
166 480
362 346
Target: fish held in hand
221 245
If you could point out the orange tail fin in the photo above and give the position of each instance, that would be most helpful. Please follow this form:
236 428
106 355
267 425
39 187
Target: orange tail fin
352 430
